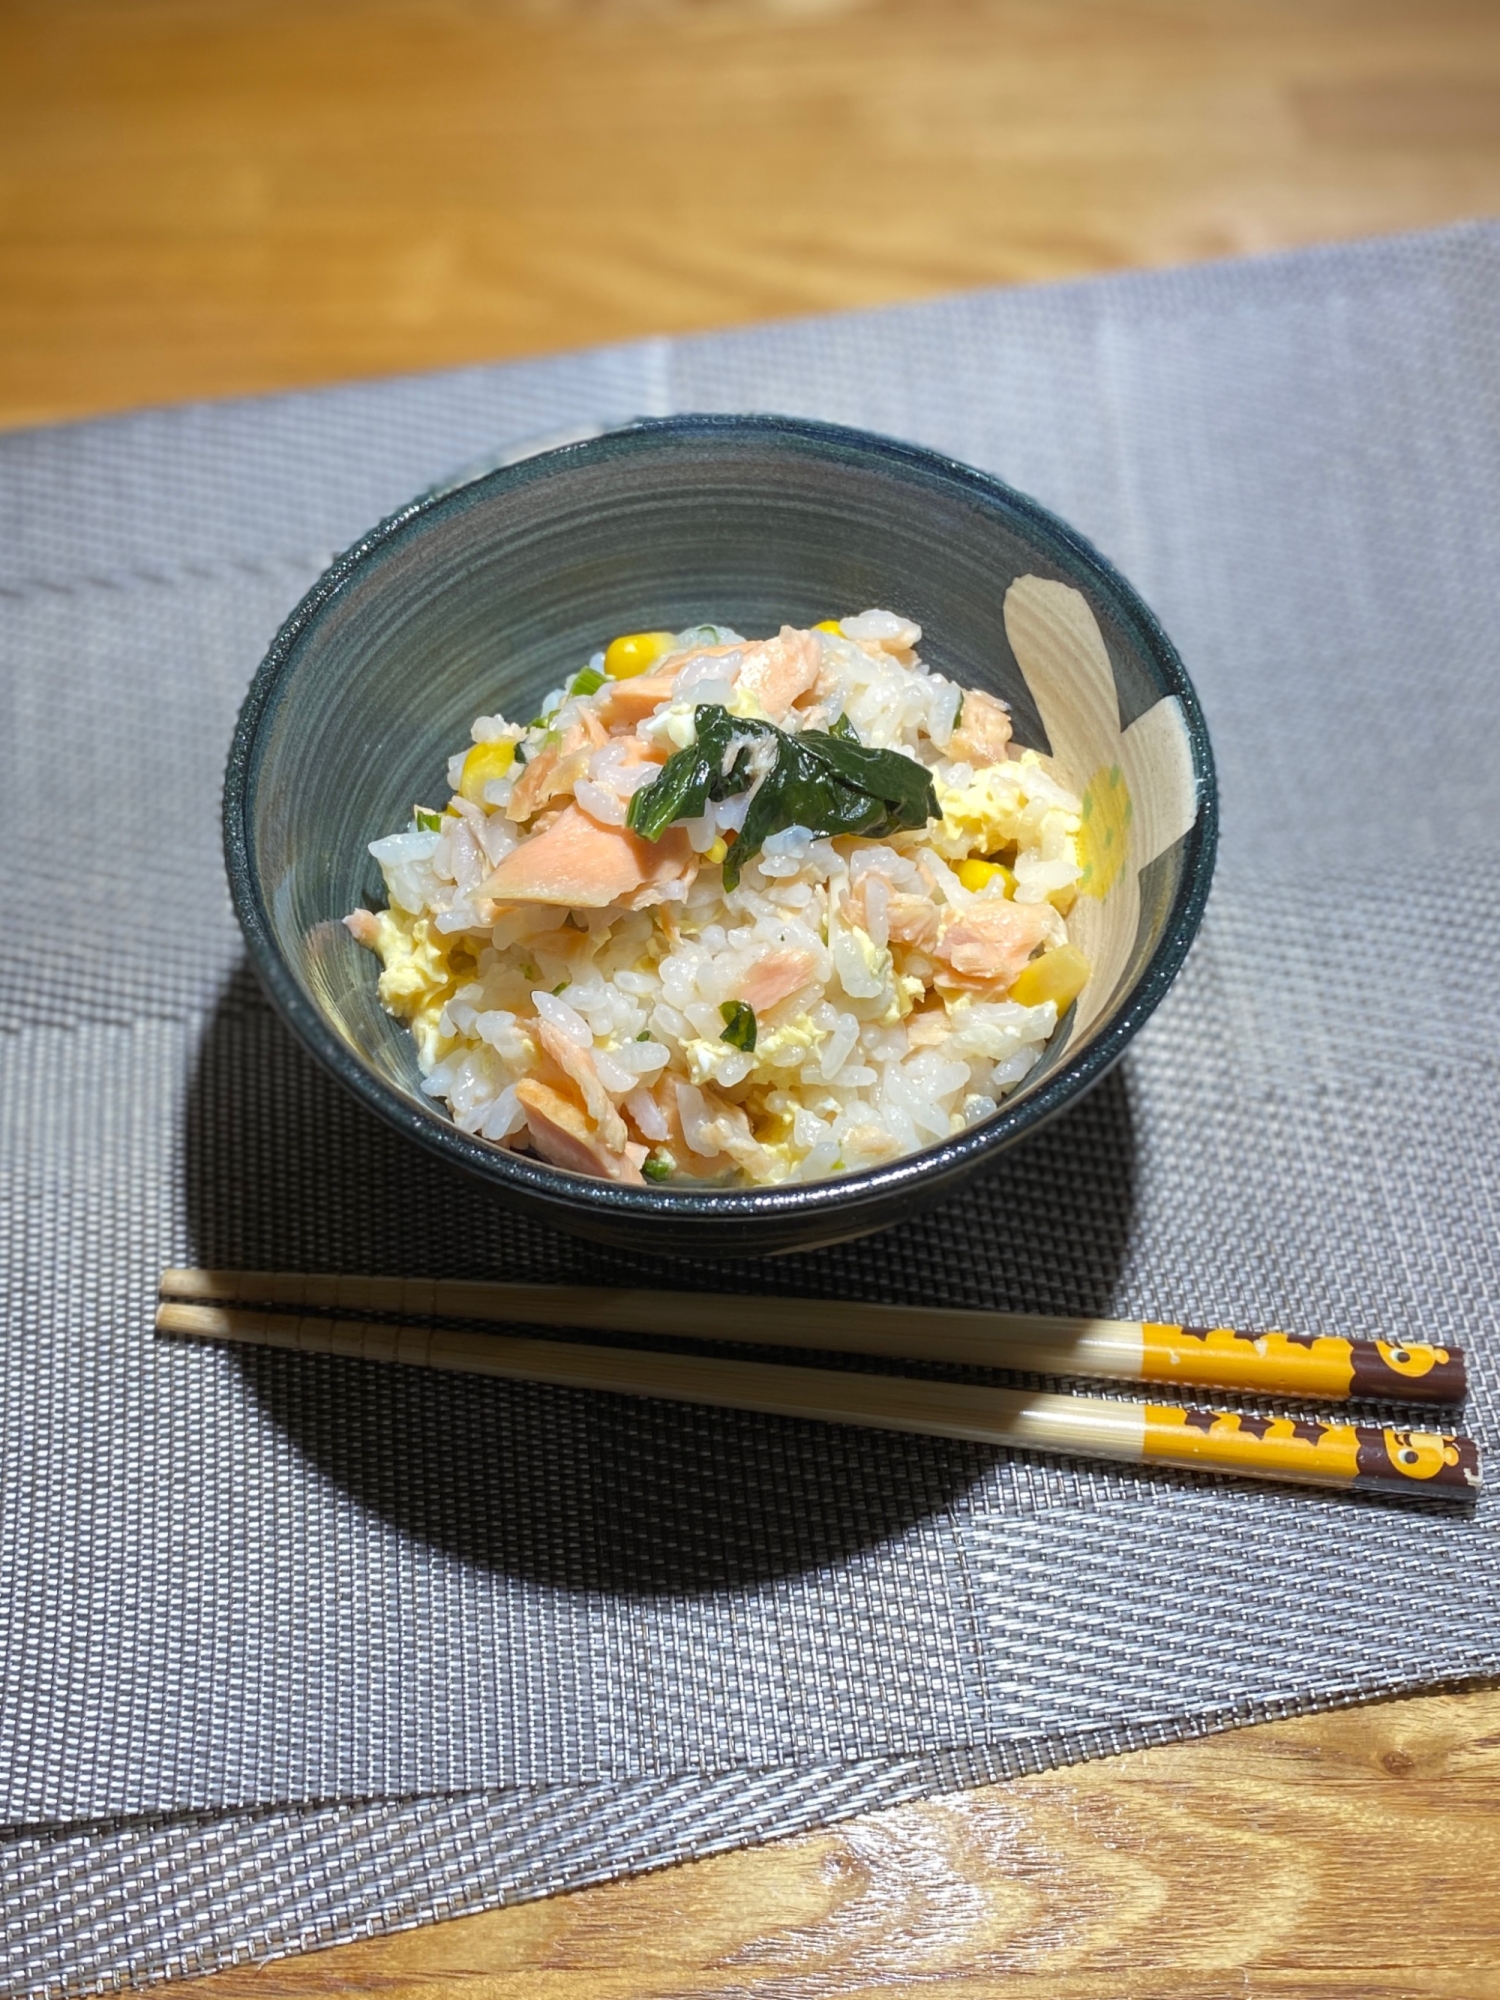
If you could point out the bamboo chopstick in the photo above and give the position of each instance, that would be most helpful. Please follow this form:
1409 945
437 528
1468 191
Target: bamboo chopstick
1283 1448
1271 1364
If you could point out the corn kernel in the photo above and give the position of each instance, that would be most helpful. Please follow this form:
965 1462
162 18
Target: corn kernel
719 851
829 625
976 875
633 653
1058 975
1062 900
484 763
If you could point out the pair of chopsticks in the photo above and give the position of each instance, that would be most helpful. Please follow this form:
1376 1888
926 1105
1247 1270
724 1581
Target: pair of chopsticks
307 1312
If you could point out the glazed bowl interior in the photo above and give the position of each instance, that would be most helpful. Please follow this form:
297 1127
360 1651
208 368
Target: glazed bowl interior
482 599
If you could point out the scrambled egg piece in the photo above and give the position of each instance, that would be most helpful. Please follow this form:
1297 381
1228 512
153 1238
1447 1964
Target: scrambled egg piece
419 978
1002 805
786 1046
909 990
706 1060
792 1039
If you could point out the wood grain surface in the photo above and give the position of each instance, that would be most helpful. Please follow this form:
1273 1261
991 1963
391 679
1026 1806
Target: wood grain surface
1352 1854
200 197
203 197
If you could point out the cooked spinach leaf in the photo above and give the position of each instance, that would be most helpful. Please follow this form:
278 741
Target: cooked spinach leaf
829 783
711 767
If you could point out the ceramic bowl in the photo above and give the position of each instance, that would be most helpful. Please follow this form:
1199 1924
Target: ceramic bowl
483 597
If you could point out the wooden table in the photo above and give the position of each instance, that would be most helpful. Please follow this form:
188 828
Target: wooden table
205 197
201 197
1353 1854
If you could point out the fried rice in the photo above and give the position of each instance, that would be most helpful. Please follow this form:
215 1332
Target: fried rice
734 912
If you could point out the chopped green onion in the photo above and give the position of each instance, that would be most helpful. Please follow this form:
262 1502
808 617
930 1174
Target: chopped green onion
660 1167
644 1035
740 1031
588 682
562 986
427 822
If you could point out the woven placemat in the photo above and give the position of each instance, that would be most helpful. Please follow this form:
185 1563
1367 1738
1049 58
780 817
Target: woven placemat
295 1648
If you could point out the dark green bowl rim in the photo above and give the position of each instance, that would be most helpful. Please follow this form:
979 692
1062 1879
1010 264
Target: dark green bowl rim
914 1173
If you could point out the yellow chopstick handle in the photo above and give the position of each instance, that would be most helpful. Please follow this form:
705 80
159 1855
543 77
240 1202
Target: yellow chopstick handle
1321 1454
1031 1420
1296 1364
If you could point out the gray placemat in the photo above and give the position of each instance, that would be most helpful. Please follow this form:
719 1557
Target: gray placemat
101 1904
248 1593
